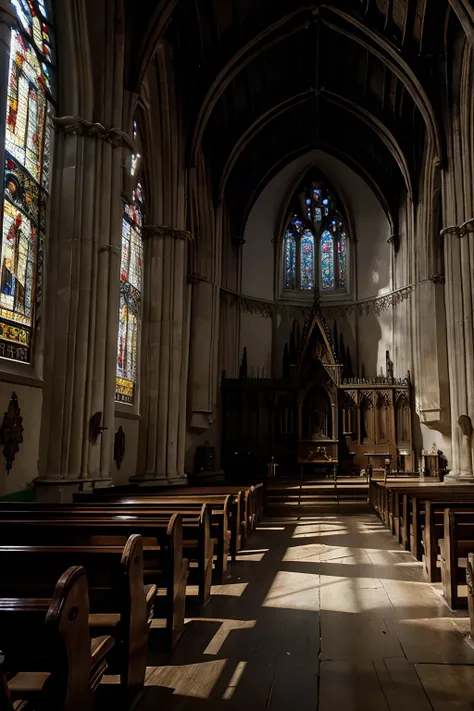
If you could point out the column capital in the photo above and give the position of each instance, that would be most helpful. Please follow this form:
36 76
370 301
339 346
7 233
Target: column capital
459 230
78 126
152 231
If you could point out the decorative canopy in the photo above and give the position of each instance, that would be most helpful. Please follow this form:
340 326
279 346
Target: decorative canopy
317 345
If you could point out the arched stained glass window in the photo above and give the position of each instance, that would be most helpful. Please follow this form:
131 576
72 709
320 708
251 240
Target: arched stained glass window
307 260
316 242
290 261
327 261
131 275
26 175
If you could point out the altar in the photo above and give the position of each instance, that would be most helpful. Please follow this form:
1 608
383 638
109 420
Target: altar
318 420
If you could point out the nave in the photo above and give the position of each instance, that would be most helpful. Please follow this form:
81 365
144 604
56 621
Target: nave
320 612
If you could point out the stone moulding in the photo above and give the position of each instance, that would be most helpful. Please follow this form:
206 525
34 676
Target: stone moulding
459 230
151 231
268 309
78 126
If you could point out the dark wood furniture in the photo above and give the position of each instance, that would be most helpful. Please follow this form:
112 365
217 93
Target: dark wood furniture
49 659
455 546
164 564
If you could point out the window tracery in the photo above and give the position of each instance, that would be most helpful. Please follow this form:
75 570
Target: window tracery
315 242
26 177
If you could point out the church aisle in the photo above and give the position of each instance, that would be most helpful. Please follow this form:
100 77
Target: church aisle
324 612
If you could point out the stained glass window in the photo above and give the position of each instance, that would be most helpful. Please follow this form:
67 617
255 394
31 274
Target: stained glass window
342 248
307 260
327 261
316 242
290 261
26 176
131 275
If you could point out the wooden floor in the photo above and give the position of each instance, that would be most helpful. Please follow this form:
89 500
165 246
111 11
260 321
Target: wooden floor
325 612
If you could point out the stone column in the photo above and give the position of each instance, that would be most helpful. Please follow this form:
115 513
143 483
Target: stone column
84 239
459 243
164 354
82 301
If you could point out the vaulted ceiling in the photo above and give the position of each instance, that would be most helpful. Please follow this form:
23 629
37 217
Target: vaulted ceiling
263 81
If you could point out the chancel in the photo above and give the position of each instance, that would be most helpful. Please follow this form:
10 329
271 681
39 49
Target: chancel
236 355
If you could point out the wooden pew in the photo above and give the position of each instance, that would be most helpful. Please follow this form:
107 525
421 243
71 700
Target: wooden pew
197 541
120 604
49 658
165 566
433 531
406 499
224 512
245 500
455 546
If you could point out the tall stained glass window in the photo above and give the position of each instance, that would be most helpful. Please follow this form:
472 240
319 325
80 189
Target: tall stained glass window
315 242
307 260
290 261
26 178
327 261
131 276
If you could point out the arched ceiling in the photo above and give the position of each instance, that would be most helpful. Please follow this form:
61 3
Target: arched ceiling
265 80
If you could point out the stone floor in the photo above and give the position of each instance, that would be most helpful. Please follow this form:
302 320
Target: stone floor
324 612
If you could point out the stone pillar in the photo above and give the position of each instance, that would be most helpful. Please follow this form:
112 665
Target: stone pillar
82 300
164 354
84 239
459 245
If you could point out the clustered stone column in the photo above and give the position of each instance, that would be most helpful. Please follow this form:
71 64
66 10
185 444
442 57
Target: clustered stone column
164 354
459 246
84 248
82 301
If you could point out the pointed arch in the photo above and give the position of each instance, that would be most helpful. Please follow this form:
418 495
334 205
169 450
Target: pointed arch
316 239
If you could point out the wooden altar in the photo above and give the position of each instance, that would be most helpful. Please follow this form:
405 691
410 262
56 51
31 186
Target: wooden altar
316 417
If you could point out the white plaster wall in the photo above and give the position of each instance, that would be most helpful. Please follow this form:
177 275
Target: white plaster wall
372 255
25 466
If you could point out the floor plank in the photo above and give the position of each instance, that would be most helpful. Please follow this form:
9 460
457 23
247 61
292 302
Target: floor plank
319 613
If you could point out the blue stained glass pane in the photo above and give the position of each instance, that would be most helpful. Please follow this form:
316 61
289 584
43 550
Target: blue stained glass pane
307 260
327 261
319 215
342 246
290 261
308 201
325 201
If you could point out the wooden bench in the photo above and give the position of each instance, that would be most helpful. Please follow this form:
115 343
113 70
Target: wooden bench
224 516
433 532
455 546
197 542
401 504
248 500
120 604
164 564
49 658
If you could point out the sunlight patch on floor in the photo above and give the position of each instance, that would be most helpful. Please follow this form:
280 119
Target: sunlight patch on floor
234 682
230 589
293 591
226 628
195 680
